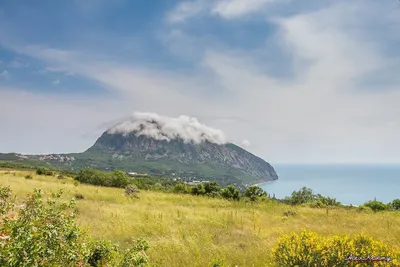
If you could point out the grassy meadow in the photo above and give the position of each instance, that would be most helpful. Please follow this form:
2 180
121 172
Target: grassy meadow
186 230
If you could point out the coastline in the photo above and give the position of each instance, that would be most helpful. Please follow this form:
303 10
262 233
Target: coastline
263 182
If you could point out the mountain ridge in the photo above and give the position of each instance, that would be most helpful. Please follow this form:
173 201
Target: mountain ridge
136 152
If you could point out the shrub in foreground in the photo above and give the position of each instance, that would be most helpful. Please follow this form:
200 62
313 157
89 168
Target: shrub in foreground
309 249
44 233
40 234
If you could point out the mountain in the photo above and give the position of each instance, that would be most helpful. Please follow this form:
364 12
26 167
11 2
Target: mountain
159 146
133 152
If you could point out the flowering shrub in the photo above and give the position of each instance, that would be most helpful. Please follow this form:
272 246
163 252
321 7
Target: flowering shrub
44 233
310 249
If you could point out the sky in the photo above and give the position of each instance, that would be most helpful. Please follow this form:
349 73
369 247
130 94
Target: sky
291 81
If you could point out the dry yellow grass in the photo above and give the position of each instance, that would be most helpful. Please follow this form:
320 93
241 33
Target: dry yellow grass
185 230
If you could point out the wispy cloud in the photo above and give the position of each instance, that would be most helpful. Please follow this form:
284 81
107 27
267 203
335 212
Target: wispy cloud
227 9
246 143
56 82
18 63
230 9
317 109
5 74
187 9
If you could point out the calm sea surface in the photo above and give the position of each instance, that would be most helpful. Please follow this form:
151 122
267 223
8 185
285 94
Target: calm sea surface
349 184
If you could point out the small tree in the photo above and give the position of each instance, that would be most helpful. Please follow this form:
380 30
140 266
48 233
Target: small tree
44 171
180 188
119 179
198 190
212 189
375 205
327 201
395 204
304 195
254 192
230 192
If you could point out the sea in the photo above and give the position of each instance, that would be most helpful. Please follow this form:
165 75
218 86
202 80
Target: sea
349 184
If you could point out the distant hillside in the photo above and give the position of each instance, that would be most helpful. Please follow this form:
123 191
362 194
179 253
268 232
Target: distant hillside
203 157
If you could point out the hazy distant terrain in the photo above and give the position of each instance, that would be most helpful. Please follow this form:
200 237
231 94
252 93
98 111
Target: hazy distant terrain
167 147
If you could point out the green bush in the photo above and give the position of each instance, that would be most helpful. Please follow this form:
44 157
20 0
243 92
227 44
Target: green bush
376 205
304 195
181 189
136 256
28 177
255 192
95 177
198 190
212 189
326 201
230 192
395 204
44 233
119 179
44 171
101 253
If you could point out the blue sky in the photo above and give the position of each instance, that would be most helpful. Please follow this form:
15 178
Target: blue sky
300 81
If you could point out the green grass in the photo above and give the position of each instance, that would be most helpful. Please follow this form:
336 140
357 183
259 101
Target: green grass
185 230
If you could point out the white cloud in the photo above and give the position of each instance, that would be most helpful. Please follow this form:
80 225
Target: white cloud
246 143
227 9
166 128
186 9
56 82
323 113
59 70
230 9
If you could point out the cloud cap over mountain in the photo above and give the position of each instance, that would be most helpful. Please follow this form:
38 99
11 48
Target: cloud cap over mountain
167 128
